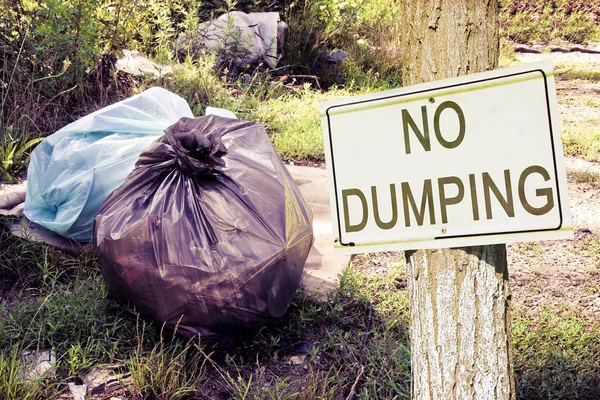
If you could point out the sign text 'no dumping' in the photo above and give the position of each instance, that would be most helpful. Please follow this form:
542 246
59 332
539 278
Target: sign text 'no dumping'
458 162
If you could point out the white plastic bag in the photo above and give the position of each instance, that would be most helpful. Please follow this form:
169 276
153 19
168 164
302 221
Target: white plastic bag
74 170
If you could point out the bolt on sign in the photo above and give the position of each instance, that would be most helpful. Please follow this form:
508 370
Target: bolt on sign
459 162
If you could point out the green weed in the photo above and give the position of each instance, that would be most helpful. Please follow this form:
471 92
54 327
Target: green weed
77 316
588 247
548 22
170 370
13 385
591 179
25 262
37 267
555 354
14 153
194 80
530 249
581 140
577 71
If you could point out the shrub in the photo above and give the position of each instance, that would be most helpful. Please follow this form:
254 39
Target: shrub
368 30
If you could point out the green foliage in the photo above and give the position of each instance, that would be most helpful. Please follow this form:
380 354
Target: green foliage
77 315
589 178
14 153
294 123
47 50
170 370
13 386
368 30
48 43
527 21
555 354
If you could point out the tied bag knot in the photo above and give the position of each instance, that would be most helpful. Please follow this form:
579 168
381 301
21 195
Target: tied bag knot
197 150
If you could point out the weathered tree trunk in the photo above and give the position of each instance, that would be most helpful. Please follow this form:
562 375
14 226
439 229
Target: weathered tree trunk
460 298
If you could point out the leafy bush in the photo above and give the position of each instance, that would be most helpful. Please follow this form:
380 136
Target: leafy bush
368 30
47 49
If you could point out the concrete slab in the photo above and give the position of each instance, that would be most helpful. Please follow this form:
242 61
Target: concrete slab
324 264
28 230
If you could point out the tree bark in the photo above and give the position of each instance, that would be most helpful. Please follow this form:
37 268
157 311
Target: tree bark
459 298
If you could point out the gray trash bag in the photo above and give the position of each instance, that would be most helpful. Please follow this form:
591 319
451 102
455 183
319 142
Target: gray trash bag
209 233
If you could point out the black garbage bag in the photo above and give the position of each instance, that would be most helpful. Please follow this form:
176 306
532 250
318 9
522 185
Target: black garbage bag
209 232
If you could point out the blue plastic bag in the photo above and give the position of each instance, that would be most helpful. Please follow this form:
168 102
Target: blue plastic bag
74 170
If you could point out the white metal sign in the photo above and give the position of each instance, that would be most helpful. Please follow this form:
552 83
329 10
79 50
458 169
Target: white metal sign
459 162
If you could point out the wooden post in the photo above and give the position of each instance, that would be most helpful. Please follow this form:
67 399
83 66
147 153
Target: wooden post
459 298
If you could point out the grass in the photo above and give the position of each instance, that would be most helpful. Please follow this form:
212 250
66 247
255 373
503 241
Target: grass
556 354
355 337
349 332
169 370
290 115
549 22
577 71
14 154
581 140
355 340
589 247
295 125
530 249
581 115
591 179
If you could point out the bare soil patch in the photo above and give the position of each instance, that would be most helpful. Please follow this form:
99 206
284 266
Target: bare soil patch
565 272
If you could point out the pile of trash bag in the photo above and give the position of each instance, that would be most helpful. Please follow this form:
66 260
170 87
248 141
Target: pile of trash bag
209 232
73 170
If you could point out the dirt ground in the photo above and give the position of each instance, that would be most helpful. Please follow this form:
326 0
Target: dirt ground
559 272
565 271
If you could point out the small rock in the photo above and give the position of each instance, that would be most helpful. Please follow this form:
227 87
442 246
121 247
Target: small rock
297 360
78 391
37 364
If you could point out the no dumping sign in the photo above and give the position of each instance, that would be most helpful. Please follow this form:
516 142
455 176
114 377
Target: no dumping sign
465 161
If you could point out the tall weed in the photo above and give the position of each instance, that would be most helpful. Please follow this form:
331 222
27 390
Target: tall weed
170 370
13 385
368 30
